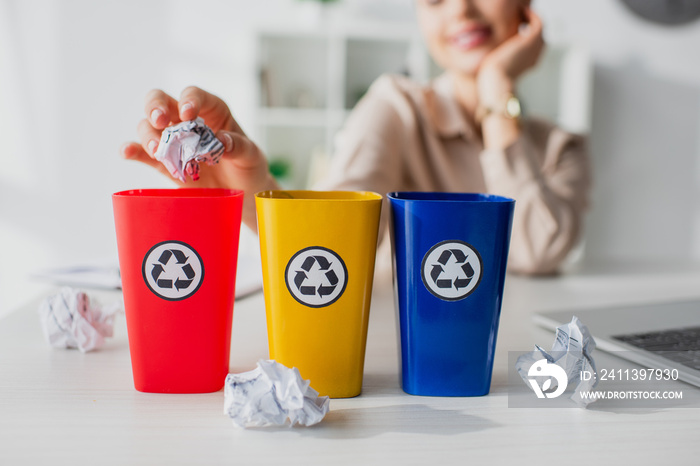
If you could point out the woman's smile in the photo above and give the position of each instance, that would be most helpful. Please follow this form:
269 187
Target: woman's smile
471 36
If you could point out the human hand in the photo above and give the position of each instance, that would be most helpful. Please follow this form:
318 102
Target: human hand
503 65
242 166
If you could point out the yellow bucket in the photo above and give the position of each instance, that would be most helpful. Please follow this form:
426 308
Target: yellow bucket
318 250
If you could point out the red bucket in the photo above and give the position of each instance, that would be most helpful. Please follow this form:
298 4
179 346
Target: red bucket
178 250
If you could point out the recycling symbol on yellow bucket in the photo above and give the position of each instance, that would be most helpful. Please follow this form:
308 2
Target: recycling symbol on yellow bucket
451 270
173 270
316 276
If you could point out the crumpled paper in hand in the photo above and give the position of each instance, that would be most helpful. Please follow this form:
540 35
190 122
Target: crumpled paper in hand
185 145
572 351
70 320
270 395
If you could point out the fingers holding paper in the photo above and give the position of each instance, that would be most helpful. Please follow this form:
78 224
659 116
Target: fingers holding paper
135 151
161 109
164 114
195 102
200 124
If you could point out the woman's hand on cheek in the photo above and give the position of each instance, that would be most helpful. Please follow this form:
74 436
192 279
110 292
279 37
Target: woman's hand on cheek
502 66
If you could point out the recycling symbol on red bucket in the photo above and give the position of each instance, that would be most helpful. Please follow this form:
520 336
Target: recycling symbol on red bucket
451 270
316 276
173 270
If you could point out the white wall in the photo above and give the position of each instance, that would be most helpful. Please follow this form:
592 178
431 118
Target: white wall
73 79
645 137
73 75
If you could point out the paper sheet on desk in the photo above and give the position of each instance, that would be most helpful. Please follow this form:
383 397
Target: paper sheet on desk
248 278
572 351
88 276
183 146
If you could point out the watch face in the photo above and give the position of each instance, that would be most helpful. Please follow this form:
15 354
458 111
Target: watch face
513 107
665 11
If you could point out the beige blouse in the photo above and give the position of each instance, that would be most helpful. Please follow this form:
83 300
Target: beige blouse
406 137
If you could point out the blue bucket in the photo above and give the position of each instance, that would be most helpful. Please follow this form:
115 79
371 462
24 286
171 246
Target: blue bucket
450 254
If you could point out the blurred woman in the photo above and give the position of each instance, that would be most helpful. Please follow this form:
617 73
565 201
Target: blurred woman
462 132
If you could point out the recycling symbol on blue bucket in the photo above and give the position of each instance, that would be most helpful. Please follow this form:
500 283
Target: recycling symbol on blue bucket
316 276
173 270
451 270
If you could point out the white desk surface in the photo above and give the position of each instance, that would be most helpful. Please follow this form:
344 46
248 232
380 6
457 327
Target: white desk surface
63 407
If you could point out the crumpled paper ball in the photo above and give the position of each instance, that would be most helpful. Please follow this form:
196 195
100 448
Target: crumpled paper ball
572 351
272 395
184 146
70 320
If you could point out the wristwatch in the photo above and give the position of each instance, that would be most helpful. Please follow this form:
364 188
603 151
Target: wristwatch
510 108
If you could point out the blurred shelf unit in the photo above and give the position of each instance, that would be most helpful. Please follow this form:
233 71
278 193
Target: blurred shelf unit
310 79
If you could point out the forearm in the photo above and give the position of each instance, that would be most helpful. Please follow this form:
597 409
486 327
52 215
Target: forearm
226 174
545 230
550 185
498 130
264 183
